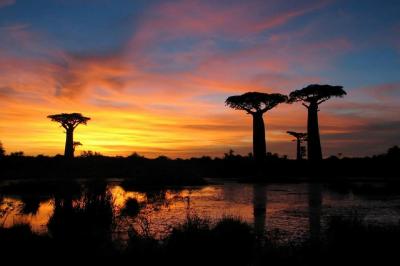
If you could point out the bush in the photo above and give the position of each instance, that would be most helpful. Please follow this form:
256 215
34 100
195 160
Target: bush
131 208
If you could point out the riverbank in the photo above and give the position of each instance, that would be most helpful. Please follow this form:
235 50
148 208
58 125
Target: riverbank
163 171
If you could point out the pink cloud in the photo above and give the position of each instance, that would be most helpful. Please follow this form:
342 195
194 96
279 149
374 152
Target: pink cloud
384 92
4 3
288 15
178 19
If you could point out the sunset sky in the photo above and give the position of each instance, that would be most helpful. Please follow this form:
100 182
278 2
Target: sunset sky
154 75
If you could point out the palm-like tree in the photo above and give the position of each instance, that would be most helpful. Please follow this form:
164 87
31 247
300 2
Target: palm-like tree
69 122
2 150
311 97
256 104
76 144
299 138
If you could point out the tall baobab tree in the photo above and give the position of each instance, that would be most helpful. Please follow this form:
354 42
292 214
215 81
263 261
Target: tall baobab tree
69 122
256 104
311 97
300 138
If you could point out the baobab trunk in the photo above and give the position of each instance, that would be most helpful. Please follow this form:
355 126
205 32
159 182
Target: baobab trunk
313 143
69 144
259 145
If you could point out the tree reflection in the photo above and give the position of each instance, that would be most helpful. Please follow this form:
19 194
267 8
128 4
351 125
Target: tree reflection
259 208
314 210
84 224
31 204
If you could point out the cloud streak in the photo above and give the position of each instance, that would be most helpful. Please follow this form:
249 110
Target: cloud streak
4 3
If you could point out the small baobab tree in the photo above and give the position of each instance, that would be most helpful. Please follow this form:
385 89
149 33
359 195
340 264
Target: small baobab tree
76 144
69 122
2 150
299 138
256 104
311 97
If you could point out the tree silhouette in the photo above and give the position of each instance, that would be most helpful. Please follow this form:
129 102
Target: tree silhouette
69 122
311 97
76 144
256 104
393 153
300 137
2 150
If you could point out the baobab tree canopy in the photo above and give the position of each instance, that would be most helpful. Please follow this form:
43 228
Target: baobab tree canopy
69 121
255 102
298 135
316 93
77 143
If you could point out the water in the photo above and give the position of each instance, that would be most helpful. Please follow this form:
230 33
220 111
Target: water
292 211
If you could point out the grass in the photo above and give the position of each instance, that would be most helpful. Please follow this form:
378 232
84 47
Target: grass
200 242
86 225
19 240
84 230
353 241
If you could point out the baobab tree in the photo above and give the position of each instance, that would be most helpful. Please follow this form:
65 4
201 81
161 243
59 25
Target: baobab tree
311 97
76 144
69 122
300 138
2 150
256 104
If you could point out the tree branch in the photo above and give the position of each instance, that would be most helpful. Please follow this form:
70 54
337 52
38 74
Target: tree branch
305 105
321 101
267 108
75 124
248 110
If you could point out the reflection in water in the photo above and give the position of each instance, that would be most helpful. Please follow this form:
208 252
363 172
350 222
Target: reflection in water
290 208
86 224
259 208
11 214
120 196
314 208
31 205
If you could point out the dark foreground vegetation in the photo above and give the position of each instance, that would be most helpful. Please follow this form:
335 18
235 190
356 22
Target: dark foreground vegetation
164 171
83 226
200 242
